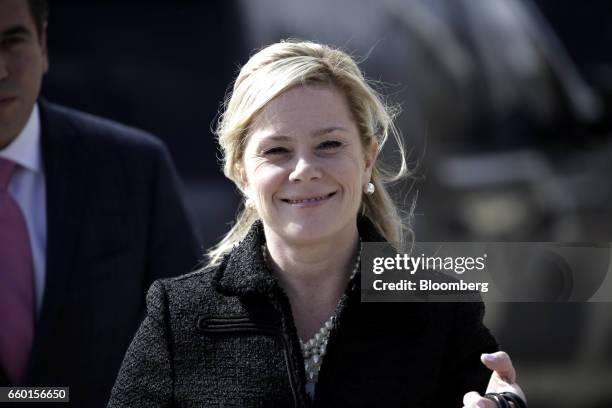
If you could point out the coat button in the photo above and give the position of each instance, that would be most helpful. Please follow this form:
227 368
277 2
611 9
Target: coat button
202 323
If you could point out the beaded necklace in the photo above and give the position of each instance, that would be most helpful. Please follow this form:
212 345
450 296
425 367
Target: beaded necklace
315 348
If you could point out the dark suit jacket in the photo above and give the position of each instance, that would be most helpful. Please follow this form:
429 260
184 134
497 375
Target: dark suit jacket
226 337
115 223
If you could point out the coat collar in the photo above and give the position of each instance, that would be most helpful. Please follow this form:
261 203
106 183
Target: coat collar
245 272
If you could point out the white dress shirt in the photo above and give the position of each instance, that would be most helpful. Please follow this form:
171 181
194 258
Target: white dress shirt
27 187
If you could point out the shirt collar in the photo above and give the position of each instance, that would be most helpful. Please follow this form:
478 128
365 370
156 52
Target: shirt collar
25 150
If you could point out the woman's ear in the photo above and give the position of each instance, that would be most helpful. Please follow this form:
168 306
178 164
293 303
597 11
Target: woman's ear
241 176
243 184
370 158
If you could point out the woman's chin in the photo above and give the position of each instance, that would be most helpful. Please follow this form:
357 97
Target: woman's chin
312 231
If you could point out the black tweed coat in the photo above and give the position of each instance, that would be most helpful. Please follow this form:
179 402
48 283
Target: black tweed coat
225 337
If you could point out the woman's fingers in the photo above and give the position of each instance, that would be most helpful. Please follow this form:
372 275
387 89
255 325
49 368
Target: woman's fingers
473 400
500 363
502 379
504 375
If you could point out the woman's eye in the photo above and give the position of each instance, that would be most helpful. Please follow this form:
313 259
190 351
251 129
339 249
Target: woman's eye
329 144
276 151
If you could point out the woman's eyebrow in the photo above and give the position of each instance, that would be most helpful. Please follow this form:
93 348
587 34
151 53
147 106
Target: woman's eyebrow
320 132
276 138
327 130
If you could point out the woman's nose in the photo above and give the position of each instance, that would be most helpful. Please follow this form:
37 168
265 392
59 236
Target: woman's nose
305 169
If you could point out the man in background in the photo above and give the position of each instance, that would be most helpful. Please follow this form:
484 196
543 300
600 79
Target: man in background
90 215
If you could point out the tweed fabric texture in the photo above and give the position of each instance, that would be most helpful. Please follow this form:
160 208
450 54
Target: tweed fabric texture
225 337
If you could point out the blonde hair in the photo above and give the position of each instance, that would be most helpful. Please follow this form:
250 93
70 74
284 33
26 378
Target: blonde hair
280 67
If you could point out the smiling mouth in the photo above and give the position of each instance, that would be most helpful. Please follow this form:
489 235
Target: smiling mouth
308 200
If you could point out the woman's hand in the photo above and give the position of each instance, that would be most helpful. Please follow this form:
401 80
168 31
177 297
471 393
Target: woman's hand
503 379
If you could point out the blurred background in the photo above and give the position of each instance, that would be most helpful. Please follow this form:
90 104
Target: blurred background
507 112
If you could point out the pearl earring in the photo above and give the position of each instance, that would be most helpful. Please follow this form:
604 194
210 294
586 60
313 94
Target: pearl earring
369 188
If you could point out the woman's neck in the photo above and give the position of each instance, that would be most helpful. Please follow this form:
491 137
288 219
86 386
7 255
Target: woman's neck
314 275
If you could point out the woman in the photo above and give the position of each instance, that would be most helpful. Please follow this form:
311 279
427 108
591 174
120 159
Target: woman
276 318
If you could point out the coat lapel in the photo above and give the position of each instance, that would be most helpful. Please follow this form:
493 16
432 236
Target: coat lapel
64 190
244 270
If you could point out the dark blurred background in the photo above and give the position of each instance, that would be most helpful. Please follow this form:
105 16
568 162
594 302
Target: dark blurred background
506 112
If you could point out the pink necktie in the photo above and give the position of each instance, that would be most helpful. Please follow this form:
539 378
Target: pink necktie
16 282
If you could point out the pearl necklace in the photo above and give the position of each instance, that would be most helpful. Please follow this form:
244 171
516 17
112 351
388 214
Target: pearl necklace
315 348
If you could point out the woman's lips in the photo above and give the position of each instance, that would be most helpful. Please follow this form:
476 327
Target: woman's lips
308 201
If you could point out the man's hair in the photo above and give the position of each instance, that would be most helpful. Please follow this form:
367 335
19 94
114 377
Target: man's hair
40 12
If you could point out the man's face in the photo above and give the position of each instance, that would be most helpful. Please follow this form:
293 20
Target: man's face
23 61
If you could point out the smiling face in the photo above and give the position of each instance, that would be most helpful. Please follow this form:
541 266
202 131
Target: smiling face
304 166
